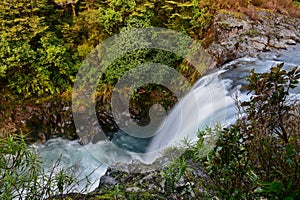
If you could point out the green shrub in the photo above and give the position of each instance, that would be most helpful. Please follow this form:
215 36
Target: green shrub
259 155
22 176
34 60
272 130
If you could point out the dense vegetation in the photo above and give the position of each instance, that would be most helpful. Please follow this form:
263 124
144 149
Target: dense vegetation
259 155
22 175
44 42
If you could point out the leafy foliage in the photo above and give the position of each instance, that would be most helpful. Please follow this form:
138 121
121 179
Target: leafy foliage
259 155
272 128
40 55
42 43
33 60
22 175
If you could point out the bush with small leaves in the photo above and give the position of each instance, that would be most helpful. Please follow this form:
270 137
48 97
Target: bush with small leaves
259 155
23 177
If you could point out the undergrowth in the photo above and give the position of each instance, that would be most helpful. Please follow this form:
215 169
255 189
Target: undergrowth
257 157
23 177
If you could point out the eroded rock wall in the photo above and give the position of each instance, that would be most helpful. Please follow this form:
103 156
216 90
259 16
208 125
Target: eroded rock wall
236 35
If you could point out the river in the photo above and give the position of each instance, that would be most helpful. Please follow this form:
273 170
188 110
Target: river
213 97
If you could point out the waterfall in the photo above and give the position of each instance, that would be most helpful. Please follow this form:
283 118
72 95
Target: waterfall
210 101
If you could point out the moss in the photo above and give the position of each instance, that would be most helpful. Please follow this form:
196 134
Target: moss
252 32
144 195
296 3
265 10
102 197
237 15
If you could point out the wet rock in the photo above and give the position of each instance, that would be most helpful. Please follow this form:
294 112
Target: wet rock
290 42
259 46
83 139
106 121
154 184
181 183
134 189
275 43
107 180
40 121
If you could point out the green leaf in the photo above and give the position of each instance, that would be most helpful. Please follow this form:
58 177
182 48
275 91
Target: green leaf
276 186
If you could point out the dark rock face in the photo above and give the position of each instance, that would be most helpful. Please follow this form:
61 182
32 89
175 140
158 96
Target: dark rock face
133 181
107 179
94 128
106 121
40 121
49 118
236 35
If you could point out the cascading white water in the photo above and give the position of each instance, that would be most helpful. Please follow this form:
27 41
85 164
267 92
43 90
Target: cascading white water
210 101
74 157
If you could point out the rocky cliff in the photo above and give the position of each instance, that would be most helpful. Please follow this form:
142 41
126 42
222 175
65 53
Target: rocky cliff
234 35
